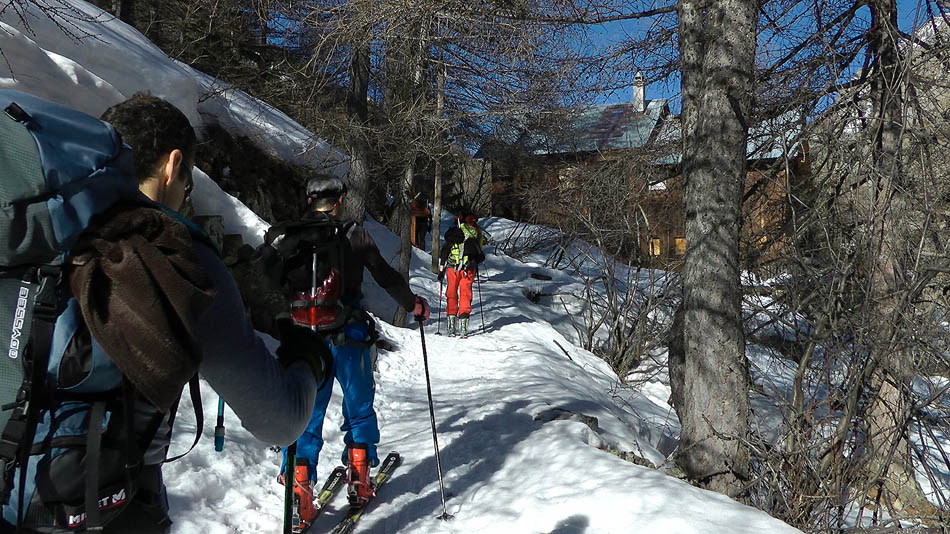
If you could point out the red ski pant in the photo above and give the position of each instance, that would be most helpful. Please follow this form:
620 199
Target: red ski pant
458 291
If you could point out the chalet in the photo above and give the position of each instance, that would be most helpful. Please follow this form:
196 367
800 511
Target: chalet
552 151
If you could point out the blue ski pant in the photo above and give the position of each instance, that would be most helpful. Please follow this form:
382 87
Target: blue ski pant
353 369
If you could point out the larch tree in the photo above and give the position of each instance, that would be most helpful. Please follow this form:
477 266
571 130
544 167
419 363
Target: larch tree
717 65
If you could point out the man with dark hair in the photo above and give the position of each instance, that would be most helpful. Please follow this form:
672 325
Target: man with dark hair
272 397
349 337
154 128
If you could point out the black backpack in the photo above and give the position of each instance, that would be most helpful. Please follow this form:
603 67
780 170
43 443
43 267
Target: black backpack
305 259
472 251
74 430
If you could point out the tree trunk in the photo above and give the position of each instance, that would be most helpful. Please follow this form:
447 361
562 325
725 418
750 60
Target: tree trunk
357 112
414 64
437 185
125 10
402 218
717 50
890 464
263 17
436 216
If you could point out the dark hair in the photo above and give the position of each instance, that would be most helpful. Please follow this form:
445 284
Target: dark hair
152 127
325 186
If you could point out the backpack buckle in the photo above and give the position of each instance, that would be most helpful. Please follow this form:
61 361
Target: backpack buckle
15 112
12 435
46 306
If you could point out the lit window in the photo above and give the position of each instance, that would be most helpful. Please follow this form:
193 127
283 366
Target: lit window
679 246
656 247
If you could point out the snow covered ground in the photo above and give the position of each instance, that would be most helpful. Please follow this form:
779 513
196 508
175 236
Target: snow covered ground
524 417
518 451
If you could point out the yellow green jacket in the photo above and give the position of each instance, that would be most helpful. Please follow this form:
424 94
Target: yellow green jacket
455 255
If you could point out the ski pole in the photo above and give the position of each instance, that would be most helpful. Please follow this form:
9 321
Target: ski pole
481 310
219 427
289 482
290 478
435 440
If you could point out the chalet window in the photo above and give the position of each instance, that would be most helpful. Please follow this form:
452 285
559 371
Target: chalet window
679 246
656 247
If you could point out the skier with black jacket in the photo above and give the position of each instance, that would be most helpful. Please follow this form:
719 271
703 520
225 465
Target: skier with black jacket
335 310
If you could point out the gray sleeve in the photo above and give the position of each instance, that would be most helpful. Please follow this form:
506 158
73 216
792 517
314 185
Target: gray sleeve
274 403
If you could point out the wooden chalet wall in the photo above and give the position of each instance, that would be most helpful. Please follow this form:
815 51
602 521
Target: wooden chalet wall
767 205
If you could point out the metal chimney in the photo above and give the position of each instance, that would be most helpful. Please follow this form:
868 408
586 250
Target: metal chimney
639 93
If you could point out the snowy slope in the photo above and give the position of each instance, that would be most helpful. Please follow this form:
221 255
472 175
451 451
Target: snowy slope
520 449
509 465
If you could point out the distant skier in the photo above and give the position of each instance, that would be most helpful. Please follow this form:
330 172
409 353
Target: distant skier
328 254
421 221
460 255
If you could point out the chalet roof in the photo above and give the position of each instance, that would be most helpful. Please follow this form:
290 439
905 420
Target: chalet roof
598 128
611 127
769 139
620 127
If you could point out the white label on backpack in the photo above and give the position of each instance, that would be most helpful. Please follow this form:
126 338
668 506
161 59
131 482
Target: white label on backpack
18 318
105 503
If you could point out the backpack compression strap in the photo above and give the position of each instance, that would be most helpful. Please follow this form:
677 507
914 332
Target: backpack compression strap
93 448
16 439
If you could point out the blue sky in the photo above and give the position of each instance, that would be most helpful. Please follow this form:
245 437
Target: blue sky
911 14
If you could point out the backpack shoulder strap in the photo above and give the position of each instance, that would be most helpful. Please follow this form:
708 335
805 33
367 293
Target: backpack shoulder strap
193 229
194 389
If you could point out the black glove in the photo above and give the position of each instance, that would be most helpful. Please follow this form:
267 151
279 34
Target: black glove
298 343
442 274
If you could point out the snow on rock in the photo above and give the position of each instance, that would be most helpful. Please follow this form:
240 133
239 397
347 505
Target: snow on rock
63 80
208 199
99 47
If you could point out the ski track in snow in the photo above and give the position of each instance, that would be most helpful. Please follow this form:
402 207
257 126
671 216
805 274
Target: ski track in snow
504 471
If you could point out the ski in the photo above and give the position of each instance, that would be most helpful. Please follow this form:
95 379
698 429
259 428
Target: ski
334 482
355 512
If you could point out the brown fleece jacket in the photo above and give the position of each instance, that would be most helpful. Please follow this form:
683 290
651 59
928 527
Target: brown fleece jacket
141 290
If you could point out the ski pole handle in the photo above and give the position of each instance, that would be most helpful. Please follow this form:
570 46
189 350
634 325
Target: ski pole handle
219 427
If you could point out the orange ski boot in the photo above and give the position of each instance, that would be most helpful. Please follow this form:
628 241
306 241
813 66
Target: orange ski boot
359 486
305 511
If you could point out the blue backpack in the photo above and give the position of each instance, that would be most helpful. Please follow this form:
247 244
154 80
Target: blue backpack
74 431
